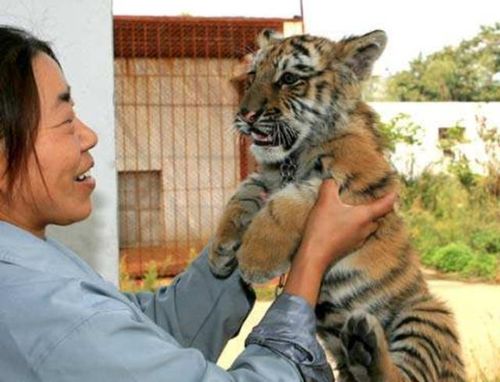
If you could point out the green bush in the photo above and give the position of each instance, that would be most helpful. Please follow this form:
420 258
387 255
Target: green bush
487 241
461 169
453 222
424 235
454 257
483 266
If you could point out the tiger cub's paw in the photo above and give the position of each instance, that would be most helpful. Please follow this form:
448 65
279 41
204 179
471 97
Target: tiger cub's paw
360 345
255 275
222 257
264 255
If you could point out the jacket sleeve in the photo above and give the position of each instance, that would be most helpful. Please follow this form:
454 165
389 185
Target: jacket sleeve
282 347
113 346
289 329
199 310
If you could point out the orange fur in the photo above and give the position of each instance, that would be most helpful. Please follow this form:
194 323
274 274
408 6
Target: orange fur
376 295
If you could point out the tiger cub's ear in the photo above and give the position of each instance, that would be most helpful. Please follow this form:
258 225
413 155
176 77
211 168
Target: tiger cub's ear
359 53
240 73
266 37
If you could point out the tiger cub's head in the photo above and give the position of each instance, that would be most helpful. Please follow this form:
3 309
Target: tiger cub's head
301 88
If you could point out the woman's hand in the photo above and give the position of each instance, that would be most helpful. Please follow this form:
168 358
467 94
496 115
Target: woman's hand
333 230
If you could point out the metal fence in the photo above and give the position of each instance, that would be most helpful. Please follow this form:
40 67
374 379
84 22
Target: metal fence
179 160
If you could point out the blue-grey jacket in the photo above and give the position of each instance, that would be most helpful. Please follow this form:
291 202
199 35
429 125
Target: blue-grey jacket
60 321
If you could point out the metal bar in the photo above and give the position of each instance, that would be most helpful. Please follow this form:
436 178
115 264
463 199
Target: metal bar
148 128
122 190
136 177
198 144
220 113
186 132
163 227
174 167
210 172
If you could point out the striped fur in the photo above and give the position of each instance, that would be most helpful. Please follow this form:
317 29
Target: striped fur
375 313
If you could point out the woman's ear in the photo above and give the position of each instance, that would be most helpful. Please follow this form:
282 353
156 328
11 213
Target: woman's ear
359 53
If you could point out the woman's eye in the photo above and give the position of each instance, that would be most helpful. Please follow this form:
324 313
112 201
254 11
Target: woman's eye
289 78
69 124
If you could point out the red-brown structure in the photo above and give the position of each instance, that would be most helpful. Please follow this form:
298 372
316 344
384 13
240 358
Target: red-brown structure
179 159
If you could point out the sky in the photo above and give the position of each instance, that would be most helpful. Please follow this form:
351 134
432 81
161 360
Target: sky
413 27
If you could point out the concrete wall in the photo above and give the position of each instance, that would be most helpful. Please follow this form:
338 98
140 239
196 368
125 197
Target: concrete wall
433 115
81 34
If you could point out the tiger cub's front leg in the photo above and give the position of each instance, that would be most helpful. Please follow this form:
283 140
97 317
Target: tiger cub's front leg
275 232
241 208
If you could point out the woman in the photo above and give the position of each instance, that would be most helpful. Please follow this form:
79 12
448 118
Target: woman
60 321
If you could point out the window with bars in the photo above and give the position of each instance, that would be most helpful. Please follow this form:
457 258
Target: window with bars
140 210
448 137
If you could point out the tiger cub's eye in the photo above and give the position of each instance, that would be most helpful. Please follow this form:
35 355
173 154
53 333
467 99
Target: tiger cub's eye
249 78
289 78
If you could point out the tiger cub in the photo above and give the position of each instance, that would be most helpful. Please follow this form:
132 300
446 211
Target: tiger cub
304 113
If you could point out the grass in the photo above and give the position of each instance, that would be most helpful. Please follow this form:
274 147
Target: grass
149 282
265 292
454 225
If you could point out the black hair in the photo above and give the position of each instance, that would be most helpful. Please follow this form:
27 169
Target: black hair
19 99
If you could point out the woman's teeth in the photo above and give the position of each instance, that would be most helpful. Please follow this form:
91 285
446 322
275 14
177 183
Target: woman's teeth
82 177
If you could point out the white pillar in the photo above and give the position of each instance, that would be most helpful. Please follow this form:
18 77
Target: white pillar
80 33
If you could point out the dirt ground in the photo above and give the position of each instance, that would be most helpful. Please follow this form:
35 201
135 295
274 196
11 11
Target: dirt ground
477 311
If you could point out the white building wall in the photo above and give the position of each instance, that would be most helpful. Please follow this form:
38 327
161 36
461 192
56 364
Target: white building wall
81 35
433 115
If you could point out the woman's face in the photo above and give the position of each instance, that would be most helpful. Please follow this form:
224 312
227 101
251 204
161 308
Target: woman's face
62 146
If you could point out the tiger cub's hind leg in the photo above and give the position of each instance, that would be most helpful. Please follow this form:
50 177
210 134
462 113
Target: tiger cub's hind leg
424 343
364 356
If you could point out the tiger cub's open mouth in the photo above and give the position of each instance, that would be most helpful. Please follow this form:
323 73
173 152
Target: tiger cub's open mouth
262 139
274 139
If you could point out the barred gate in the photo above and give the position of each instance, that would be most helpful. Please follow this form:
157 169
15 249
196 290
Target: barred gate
178 158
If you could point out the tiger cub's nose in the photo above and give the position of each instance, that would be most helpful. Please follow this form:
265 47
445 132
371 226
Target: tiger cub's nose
249 116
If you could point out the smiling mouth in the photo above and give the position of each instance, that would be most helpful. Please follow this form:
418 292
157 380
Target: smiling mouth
83 177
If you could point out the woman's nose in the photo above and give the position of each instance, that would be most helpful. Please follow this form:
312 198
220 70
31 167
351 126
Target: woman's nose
88 136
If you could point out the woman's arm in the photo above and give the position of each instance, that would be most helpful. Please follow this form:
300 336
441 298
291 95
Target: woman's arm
198 309
333 229
114 346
